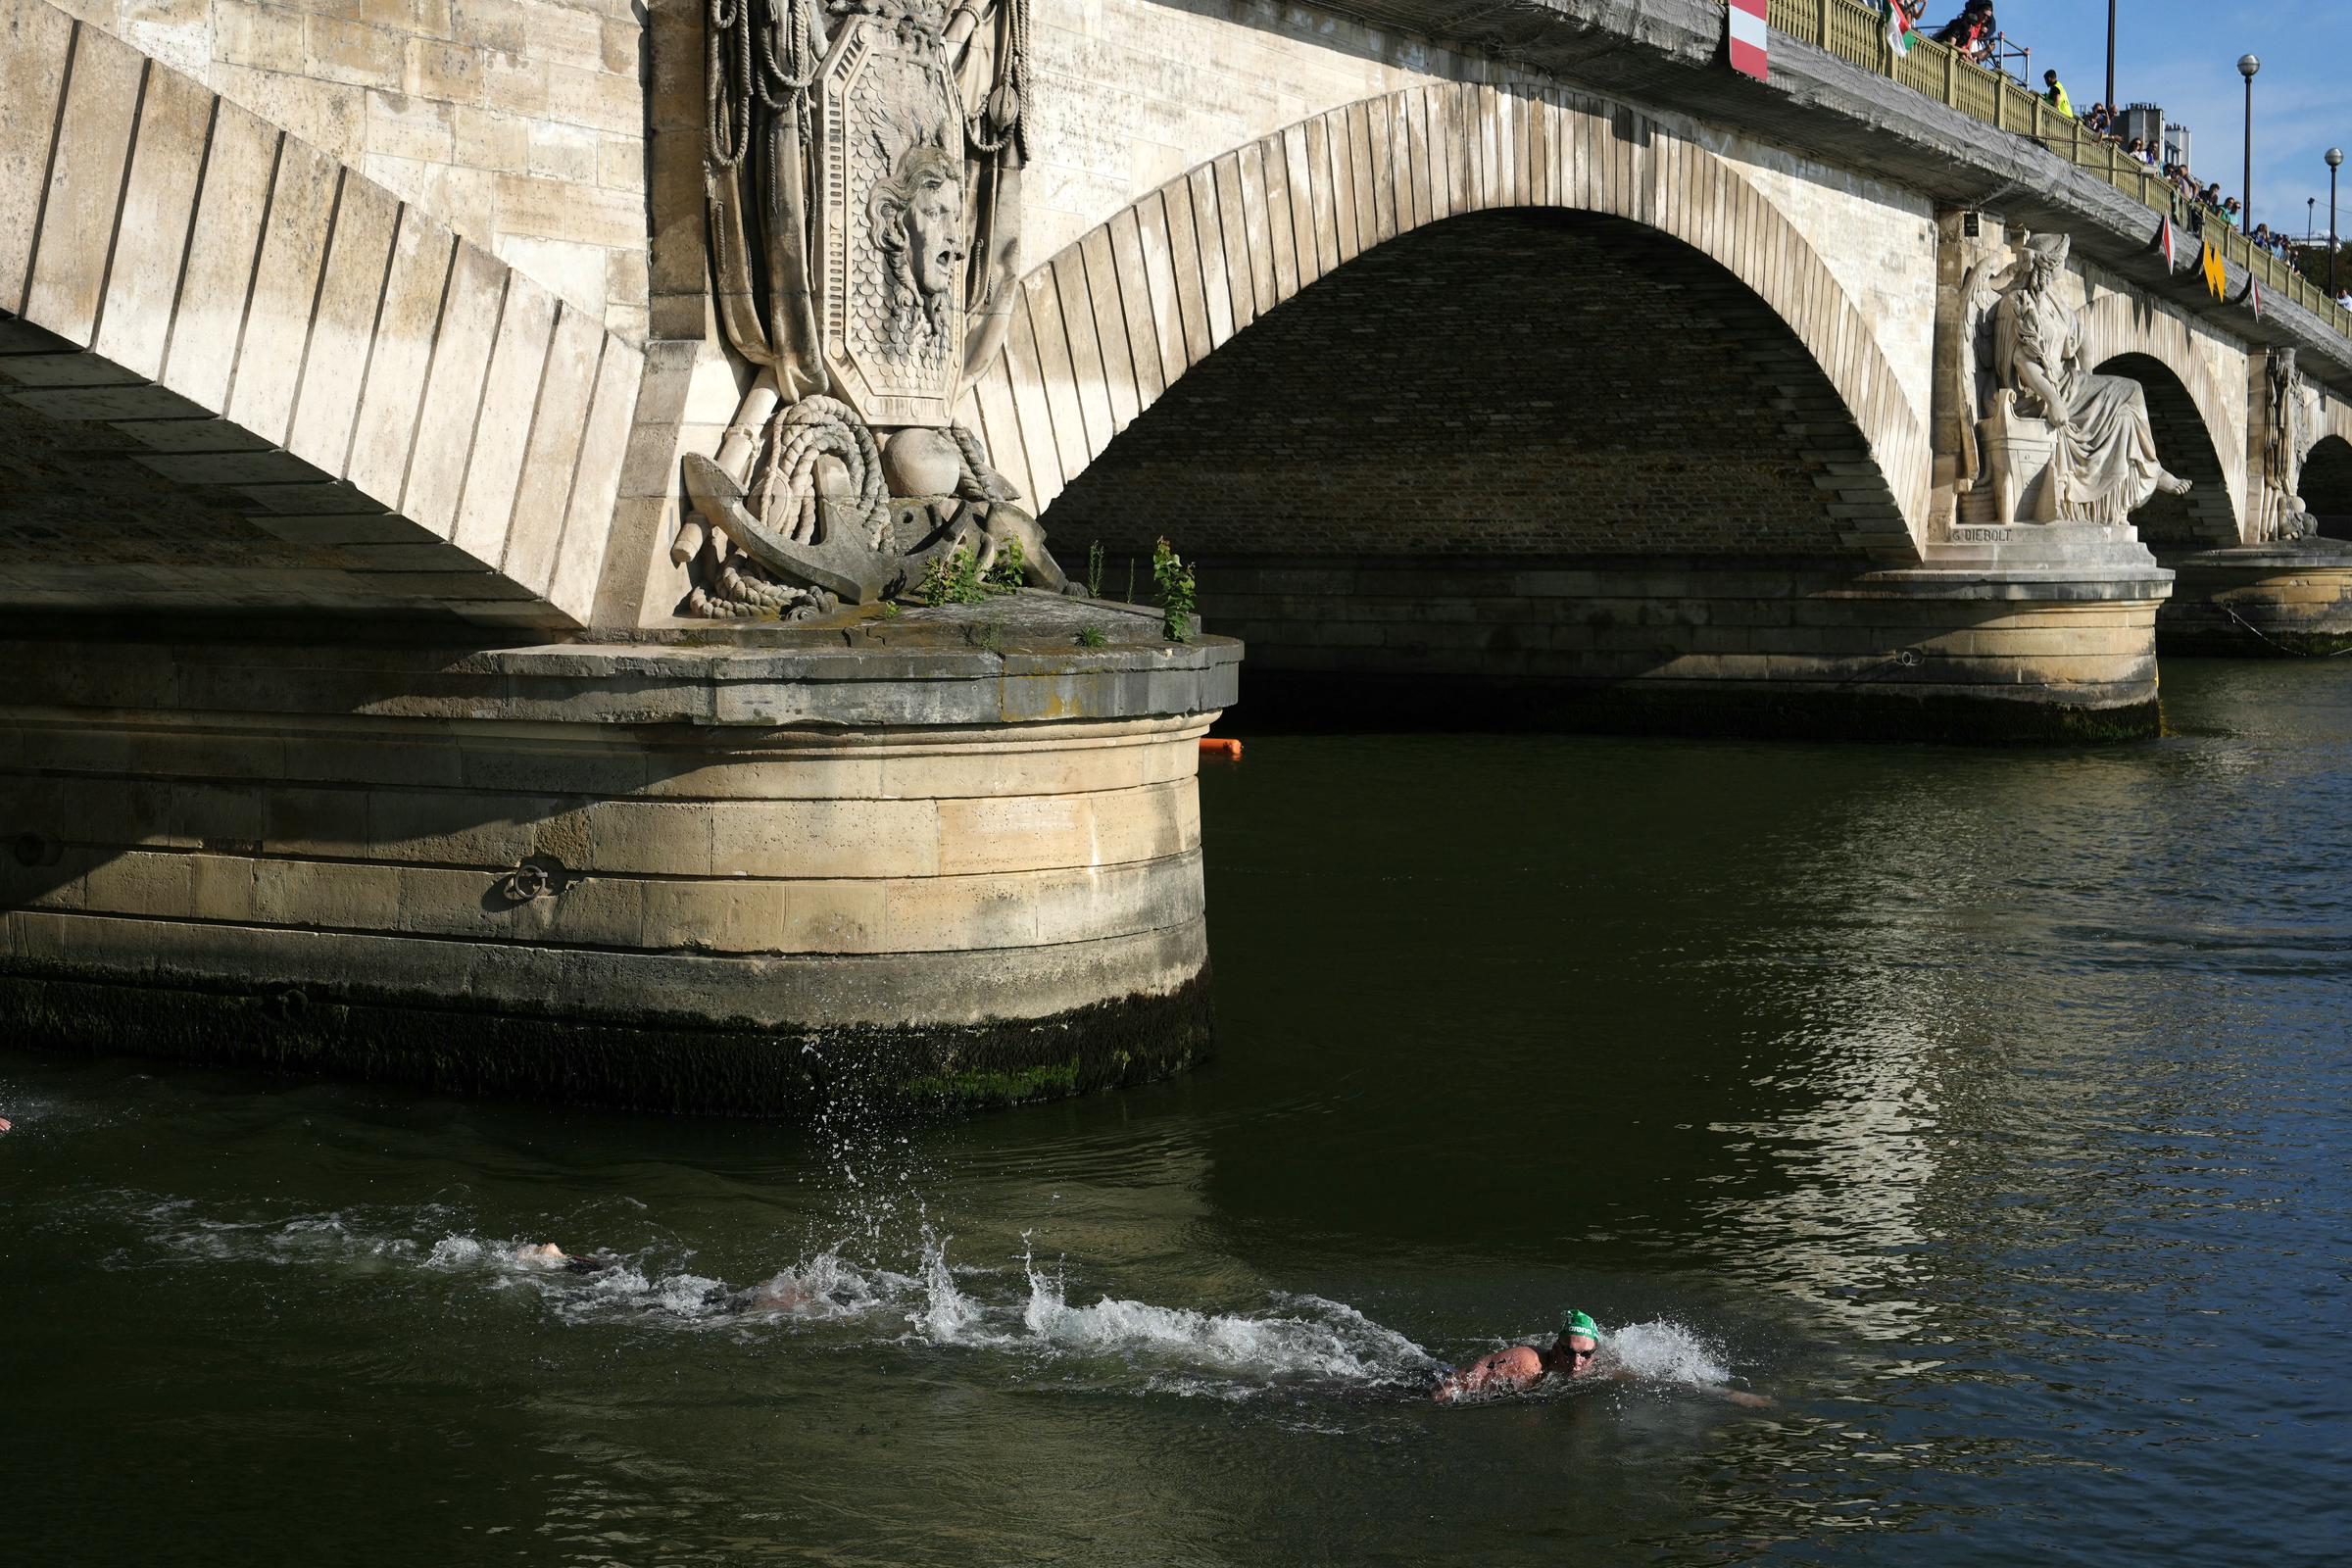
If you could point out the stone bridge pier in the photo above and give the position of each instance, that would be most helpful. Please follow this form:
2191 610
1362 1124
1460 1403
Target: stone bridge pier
607 550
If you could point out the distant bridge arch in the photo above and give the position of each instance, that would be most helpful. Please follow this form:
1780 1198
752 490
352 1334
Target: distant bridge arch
1108 326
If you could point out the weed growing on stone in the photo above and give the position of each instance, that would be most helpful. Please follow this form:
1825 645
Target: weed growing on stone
1092 636
1011 569
1094 570
1176 601
953 579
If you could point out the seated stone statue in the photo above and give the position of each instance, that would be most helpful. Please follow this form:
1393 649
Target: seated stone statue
2072 445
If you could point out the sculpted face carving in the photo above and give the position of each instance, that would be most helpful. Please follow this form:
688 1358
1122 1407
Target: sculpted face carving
916 217
935 236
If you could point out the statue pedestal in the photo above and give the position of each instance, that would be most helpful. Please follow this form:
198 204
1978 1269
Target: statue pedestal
2066 548
2281 600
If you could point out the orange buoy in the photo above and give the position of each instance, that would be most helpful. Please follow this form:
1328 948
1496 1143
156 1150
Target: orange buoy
1231 751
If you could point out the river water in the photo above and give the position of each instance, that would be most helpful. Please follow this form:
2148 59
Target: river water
1987 1110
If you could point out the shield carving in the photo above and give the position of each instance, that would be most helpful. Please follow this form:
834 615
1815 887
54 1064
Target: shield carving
891 222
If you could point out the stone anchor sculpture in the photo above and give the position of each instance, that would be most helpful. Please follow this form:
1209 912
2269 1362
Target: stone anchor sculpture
2057 443
865 230
2290 427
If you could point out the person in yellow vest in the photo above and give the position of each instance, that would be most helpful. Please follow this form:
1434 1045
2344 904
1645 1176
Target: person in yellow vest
2056 96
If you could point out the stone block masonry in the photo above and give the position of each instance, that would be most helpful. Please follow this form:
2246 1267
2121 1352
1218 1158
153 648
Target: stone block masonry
720 878
1693 645
520 124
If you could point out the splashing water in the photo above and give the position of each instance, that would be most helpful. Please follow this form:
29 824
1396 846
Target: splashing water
1323 1340
1660 1351
1115 1343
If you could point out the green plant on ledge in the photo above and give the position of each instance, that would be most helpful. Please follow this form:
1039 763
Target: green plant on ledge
1011 569
1092 636
953 579
1176 600
1094 570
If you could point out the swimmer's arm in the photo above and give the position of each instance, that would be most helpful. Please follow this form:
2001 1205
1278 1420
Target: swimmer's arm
1504 1370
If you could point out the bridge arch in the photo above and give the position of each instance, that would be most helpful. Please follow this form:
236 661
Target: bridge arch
2196 422
2207 518
1105 327
2328 485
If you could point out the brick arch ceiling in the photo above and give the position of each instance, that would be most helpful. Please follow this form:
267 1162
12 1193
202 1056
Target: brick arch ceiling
2115 326
1109 324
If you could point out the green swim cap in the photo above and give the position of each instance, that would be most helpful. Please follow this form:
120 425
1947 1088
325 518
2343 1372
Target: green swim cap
1580 1324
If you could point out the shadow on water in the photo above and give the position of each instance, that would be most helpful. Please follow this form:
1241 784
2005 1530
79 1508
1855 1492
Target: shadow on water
1986 1110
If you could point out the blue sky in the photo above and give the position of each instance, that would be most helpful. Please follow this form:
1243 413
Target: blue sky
2184 54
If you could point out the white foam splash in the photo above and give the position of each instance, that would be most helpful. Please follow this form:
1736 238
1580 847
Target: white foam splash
1660 1351
456 1253
1120 1343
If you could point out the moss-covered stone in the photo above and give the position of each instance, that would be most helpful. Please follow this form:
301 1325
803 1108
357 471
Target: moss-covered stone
2220 640
640 1064
1285 700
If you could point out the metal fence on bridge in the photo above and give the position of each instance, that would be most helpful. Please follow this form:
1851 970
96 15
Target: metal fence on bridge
1858 33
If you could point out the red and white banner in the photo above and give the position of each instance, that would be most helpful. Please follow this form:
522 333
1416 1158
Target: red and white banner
1745 19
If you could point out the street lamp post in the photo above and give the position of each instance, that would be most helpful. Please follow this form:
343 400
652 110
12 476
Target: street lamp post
2247 65
2113 109
2335 161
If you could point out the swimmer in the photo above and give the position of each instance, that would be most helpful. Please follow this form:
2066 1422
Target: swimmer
1573 1354
546 1254
1523 1366
783 1293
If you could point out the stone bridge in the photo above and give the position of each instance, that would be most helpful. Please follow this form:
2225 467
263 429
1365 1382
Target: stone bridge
387 422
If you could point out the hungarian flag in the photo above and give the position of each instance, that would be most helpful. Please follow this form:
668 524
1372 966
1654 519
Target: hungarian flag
2254 295
2164 243
1901 32
1745 19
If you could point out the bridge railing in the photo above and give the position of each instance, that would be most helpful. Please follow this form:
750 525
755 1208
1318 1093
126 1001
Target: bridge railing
1858 33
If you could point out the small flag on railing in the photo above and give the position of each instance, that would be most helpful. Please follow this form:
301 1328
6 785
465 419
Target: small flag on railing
1745 24
2164 242
2217 280
1901 32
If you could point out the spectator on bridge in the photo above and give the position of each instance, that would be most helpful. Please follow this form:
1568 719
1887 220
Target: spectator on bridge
2344 300
2054 94
2099 121
1971 31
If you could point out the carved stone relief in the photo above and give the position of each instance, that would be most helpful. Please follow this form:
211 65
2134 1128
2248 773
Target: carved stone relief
2291 429
862 171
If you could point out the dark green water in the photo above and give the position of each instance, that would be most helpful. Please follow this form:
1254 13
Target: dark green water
1986 1110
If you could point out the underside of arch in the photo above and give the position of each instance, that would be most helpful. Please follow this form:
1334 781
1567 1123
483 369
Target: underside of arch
1523 383
1108 327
